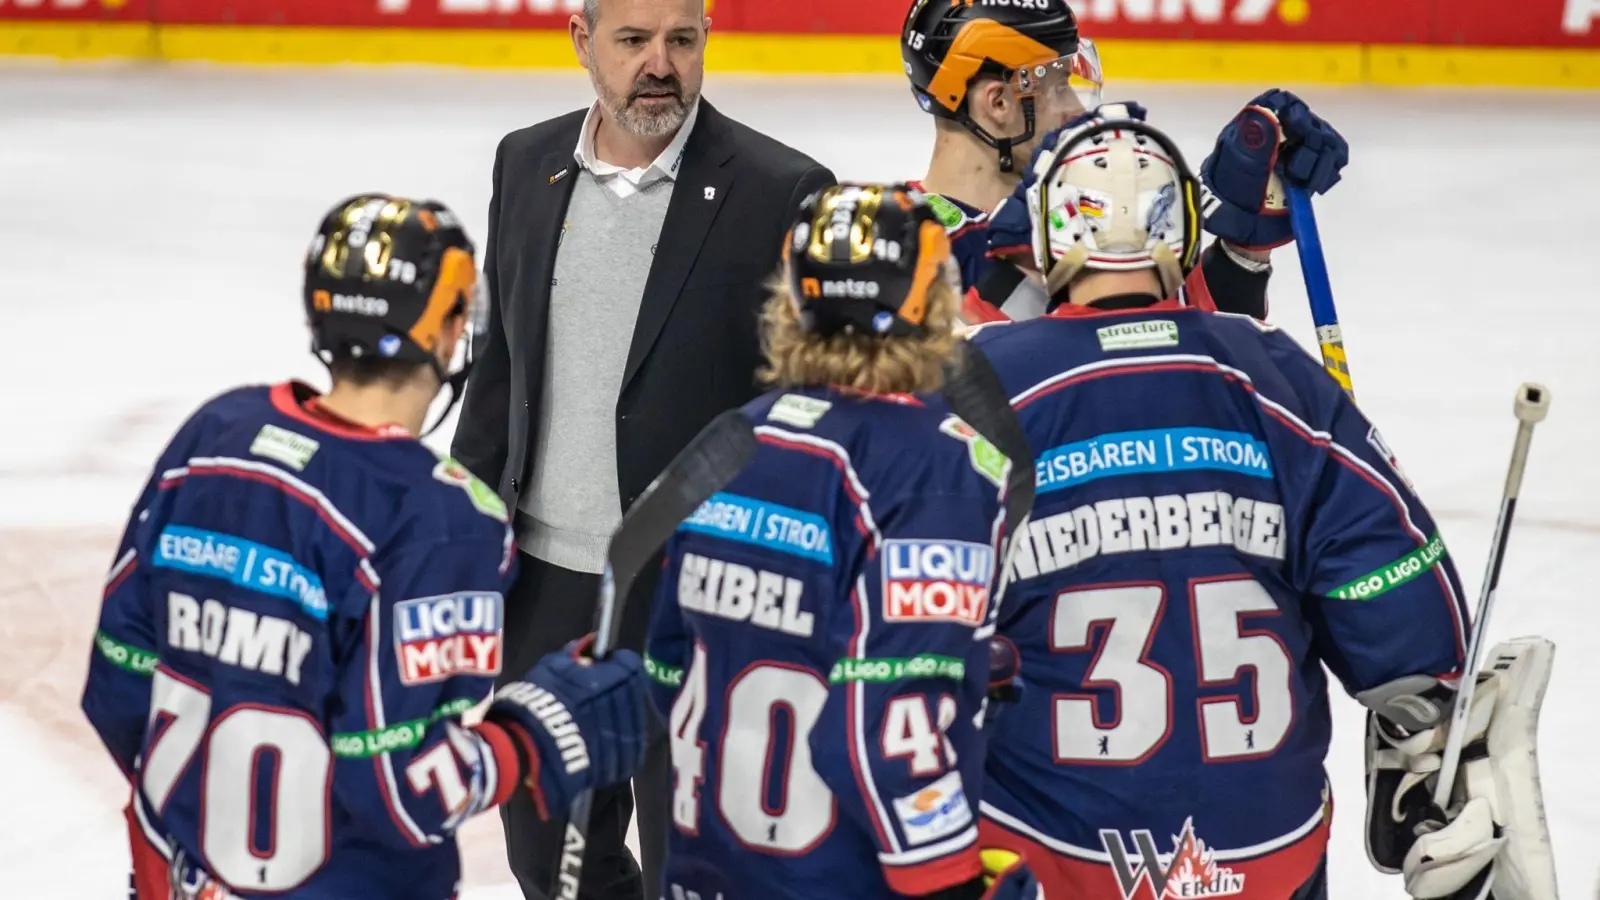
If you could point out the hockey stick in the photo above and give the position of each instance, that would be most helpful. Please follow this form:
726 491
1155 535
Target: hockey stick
1532 405
711 460
1308 241
973 391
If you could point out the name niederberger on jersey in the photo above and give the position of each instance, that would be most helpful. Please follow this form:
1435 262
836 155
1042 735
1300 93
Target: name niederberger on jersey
727 590
1166 522
769 525
936 581
451 634
237 637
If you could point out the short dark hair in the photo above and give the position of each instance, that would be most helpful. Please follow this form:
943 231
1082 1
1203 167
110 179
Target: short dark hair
591 13
365 371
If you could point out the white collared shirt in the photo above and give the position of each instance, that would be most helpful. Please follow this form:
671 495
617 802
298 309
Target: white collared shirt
627 182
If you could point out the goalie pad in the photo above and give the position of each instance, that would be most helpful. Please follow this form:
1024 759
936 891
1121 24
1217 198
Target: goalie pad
1442 852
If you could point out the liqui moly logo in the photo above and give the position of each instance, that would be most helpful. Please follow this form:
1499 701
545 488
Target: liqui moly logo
454 634
936 581
1190 872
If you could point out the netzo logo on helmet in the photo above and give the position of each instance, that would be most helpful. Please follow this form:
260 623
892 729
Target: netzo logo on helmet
359 304
847 287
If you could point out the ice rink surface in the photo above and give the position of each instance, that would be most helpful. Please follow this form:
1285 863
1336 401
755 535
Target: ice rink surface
152 223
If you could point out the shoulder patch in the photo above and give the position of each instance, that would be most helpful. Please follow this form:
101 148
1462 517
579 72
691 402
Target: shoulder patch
290 448
483 498
1138 335
987 460
798 410
948 214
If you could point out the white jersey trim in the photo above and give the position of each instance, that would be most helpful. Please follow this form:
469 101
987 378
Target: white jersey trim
225 462
379 721
121 565
946 847
859 723
850 475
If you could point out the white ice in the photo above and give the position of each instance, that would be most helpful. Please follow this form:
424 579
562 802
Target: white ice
153 220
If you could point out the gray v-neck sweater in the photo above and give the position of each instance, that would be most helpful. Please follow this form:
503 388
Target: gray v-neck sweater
607 247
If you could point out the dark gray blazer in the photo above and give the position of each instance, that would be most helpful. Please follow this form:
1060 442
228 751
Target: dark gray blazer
695 345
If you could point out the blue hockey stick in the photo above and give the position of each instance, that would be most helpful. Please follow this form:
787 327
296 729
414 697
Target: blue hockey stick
1303 219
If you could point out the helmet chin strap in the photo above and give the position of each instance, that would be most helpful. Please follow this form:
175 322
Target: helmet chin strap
1006 147
457 385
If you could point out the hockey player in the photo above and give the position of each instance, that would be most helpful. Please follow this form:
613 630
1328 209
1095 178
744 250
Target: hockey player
1216 521
820 639
306 600
999 77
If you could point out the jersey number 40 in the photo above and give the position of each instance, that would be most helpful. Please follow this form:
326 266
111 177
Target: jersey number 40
801 812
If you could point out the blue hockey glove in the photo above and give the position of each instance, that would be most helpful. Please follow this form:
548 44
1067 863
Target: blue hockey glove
581 723
1275 135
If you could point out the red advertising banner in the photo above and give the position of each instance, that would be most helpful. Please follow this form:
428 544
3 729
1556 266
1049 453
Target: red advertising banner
1492 23
1526 23
75 10
1322 21
518 14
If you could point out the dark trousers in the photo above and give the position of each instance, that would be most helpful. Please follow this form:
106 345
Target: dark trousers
547 607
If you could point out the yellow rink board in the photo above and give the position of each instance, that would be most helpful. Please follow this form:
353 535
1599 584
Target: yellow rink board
1215 61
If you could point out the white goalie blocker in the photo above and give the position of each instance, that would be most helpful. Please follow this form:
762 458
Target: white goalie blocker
1493 841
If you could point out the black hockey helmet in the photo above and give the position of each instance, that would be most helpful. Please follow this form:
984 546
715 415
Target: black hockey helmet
382 276
861 259
946 44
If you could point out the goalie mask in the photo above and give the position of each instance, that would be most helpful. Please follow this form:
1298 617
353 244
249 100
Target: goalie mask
383 275
1114 195
862 258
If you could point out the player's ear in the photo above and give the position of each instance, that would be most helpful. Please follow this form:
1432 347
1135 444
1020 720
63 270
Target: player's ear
451 331
989 101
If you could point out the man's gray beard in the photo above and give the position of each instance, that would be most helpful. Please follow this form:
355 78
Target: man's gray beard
644 123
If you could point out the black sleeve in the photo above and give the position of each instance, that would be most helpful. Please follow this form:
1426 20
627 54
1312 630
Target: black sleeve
480 441
815 179
1233 288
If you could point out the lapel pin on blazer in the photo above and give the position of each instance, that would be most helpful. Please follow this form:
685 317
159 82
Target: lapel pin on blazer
558 176
711 193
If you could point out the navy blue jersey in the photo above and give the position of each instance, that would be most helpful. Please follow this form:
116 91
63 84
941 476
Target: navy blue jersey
819 645
968 230
298 615
1216 522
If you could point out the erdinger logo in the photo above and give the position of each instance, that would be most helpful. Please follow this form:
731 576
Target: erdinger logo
1189 872
454 634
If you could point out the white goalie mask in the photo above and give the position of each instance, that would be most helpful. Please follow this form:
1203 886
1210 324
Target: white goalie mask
1114 195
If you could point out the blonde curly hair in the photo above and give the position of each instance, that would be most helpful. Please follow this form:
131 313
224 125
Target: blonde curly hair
873 364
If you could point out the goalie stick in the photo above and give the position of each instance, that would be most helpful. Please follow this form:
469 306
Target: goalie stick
712 459
973 391
1532 405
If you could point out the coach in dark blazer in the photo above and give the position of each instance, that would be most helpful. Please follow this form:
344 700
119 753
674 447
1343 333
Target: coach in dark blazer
628 245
